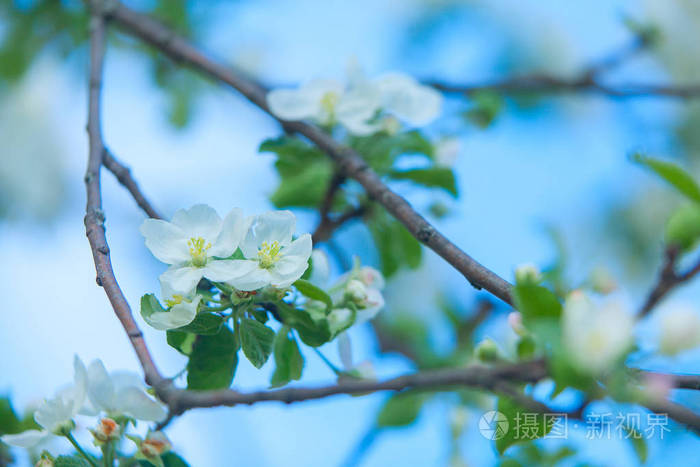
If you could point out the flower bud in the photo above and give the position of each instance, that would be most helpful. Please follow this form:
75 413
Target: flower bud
155 444
515 320
487 351
107 430
45 461
356 291
527 273
680 330
602 281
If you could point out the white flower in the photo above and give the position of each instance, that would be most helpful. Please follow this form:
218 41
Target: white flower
182 309
362 286
410 101
193 243
595 337
680 330
55 414
155 444
120 392
446 151
321 269
528 272
272 258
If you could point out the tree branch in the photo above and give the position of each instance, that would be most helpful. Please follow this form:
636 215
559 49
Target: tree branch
94 216
348 161
123 175
668 280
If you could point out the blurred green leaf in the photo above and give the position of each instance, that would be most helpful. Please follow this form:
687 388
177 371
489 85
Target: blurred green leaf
70 461
288 359
181 341
673 174
309 290
401 409
381 150
204 324
523 424
683 228
395 245
433 177
313 330
487 106
256 341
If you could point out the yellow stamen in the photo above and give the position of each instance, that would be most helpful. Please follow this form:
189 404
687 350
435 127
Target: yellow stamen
269 254
198 251
328 103
174 300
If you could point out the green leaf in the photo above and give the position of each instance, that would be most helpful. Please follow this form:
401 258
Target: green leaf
381 150
523 425
673 174
639 443
683 228
487 106
205 324
181 341
213 361
526 348
170 459
309 290
288 359
256 341
401 409
313 330
535 301
70 461
150 305
433 177
395 245
9 421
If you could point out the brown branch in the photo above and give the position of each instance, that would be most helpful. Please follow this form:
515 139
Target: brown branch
123 175
668 280
329 225
94 216
676 412
348 161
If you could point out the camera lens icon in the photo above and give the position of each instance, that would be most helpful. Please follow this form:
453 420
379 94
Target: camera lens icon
493 425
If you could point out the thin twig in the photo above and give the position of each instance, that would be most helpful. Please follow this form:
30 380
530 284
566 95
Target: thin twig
348 161
94 216
668 280
123 175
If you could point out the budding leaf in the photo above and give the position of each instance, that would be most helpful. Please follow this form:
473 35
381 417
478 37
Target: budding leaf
288 359
523 424
309 290
437 177
213 361
683 228
673 174
401 409
256 341
205 324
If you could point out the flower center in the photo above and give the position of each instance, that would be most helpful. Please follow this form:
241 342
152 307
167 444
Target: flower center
328 102
174 300
198 251
269 254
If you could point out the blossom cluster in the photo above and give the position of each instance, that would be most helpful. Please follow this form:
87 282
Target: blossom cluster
114 400
363 106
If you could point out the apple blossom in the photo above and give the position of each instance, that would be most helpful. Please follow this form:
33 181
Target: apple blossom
595 337
195 243
680 330
182 309
271 256
120 393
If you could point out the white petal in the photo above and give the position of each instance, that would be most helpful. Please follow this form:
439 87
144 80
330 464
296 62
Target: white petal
168 293
166 241
345 350
182 279
371 277
233 229
227 269
408 100
125 379
293 104
199 221
135 402
179 315
375 302
27 439
359 106
321 268
269 227
301 247
254 280
100 387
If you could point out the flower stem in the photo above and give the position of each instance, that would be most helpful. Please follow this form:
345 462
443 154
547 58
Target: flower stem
216 308
80 450
327 362
108 454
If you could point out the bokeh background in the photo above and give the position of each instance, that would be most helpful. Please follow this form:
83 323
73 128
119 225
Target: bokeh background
548 178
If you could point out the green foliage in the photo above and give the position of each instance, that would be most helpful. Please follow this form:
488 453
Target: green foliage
439 177
304 171
288 359
313 328
169 459
673 174
181 341
71 461
401 409
256 341
205 324
683 228
309 290
381 150
396 246
525 348
523 425
150 305
213 361
487 106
